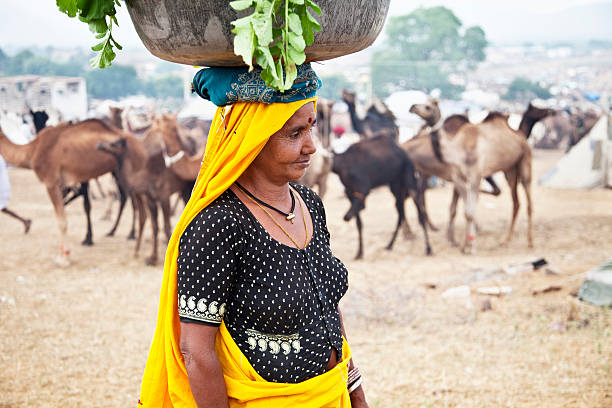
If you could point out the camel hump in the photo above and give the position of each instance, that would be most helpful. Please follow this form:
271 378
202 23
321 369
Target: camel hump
453 123
496 115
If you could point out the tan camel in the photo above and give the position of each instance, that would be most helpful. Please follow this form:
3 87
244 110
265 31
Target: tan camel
319 169
477 151
64 156
149 182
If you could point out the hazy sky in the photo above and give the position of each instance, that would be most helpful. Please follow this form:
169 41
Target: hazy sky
39 22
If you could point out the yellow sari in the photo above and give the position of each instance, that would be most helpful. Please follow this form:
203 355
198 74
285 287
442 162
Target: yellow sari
236 137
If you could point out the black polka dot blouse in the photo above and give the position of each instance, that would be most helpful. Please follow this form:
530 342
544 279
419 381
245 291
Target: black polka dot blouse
280 304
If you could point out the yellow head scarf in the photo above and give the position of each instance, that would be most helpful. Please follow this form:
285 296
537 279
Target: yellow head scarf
236 137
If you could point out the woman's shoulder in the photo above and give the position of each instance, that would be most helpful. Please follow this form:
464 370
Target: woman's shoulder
223 212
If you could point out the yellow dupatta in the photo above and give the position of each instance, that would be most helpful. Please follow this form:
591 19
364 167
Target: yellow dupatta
236 137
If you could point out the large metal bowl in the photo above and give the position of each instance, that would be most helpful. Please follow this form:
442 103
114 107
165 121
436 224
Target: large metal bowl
198 32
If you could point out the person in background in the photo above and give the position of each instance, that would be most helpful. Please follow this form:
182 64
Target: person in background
5 194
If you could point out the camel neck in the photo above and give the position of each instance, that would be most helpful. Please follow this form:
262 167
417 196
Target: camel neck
356 122
14 154
526 125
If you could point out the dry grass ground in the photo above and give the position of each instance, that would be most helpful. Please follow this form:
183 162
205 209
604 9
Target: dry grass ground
79 336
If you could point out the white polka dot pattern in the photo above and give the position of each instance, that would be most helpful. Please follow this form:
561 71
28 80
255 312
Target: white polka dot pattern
280 304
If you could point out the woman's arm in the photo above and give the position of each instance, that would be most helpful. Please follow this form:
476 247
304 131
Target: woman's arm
358 399
203 368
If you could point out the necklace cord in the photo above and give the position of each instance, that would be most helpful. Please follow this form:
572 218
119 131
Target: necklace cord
290 215
281 227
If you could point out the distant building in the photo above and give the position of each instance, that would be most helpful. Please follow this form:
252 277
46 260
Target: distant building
65 95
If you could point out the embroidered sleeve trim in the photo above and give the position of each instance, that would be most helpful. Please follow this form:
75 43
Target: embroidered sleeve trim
210 312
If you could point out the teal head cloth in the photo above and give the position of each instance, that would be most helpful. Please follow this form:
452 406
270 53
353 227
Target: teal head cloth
226 85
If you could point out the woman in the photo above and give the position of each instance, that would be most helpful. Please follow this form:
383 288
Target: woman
249 270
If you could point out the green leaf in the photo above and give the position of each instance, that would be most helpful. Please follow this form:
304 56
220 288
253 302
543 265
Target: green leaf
295 55
244 45
294 24
98 26
263 29
314 6
68 7
265 59
297 41
99 46
290 76
296 1
239 5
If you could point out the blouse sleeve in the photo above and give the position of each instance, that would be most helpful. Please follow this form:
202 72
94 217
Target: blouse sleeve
206 267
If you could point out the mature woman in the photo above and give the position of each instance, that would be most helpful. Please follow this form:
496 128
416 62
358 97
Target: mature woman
249 307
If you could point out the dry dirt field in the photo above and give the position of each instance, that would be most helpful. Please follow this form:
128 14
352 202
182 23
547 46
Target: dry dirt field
79 336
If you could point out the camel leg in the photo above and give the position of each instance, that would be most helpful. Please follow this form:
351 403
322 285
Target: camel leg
26 222
323 185
172 211
55 194
359 227
470 199
165 206
525 176
400 198
102 193
423 220
450 233
132 234
88 241
152 205
122 199
139 209
109 209
422 183
512 177
496 191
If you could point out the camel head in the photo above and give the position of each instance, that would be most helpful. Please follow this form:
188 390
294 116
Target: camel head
428 111
535 113
116 115
348 97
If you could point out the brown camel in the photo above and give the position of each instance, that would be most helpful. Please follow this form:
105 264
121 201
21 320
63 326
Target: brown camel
379 120
63 156
476 151
149 182
172 137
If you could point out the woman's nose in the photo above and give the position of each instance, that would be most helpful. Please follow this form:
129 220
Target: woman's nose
309 146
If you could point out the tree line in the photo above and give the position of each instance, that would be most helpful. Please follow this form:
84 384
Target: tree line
110 83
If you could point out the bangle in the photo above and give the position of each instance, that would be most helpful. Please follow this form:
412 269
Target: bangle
354 379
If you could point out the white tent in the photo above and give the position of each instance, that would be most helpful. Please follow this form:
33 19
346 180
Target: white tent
586 165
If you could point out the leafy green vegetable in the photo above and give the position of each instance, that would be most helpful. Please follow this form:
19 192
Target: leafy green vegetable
100 16
274 37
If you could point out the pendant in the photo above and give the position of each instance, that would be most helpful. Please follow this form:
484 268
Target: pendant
291 217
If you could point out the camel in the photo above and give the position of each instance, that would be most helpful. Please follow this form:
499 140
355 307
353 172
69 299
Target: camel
475 151
319 169
378 120
149 182
172 137
372 163
321 163
63 156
